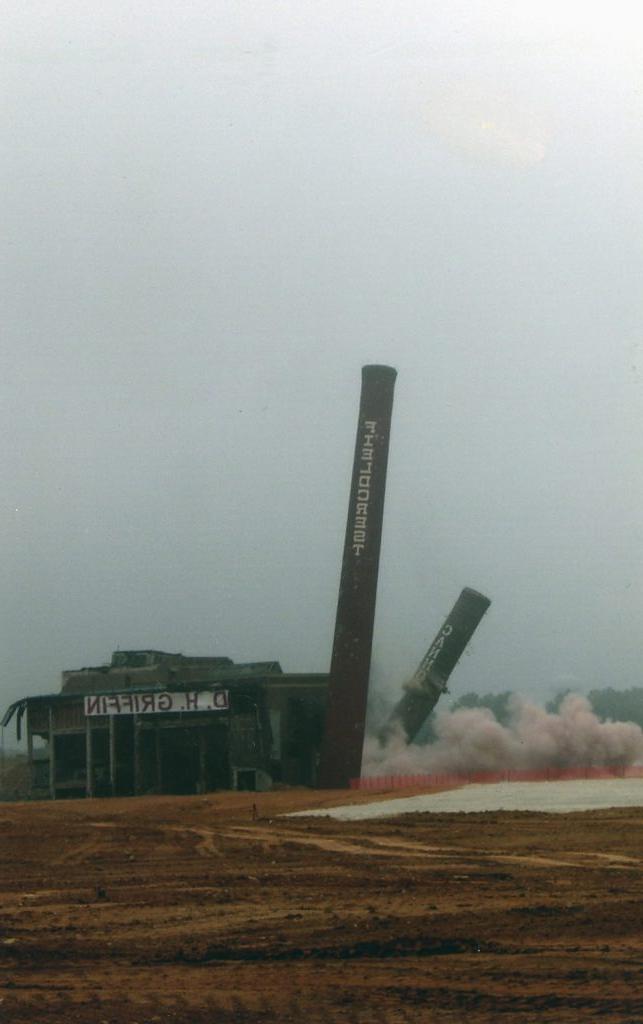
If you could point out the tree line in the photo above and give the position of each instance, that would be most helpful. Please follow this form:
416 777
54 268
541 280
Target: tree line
607 703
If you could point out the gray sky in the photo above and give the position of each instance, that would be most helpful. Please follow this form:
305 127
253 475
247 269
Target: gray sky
213 215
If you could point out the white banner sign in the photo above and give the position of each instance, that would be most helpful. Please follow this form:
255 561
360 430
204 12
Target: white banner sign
156 702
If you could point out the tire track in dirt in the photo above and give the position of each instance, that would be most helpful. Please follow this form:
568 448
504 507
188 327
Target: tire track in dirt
373 846
381 847
206 847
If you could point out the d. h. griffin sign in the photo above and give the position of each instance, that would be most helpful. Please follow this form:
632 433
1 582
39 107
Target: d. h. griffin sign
156 702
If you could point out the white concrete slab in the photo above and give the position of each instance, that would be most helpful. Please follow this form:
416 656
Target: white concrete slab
556 797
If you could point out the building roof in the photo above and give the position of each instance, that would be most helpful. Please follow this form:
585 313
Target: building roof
265 672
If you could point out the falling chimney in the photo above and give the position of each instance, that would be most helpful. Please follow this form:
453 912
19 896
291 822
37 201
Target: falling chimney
429 681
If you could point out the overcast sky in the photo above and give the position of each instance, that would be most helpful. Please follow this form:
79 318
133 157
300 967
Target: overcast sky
214 214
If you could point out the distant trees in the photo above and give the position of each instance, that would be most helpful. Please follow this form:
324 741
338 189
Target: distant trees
554 704
619 705
608 703
498 703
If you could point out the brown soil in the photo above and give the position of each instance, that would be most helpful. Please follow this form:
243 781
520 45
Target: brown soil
188 910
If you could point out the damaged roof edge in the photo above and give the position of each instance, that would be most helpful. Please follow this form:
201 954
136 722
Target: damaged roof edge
11 710
20 706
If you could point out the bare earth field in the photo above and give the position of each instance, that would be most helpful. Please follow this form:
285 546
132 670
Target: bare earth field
188 910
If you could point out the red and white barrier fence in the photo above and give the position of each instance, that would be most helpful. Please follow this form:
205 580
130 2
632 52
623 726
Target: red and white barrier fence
512 775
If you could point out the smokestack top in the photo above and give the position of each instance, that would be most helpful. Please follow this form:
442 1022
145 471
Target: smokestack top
470 592
374 370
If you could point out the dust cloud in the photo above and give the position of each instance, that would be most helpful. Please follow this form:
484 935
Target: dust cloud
473 740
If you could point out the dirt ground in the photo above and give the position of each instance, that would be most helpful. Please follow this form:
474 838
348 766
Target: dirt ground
190 910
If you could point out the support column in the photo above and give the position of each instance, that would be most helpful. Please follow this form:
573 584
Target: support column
112 754
52 757
29 752
89 758
202 755
137 756
159 771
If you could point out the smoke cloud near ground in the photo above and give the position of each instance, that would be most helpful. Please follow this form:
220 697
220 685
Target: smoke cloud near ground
472 739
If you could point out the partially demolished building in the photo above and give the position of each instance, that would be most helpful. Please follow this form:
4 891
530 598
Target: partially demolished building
152 722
